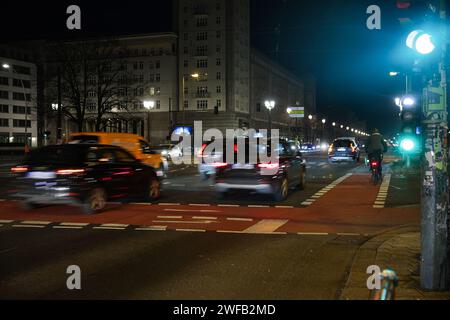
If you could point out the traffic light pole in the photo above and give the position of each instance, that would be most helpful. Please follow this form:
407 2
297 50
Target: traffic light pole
434 193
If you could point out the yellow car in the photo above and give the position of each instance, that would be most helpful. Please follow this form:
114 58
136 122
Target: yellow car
135 144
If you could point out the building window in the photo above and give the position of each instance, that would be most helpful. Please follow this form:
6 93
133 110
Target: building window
202 50
4 108
202 22
218 103
186 90
141 78
152 78
141 65
92 94
4 81
202 90
141 92
218 20
258 107
218 62
4 122
185 63
158 77
22 70
151 65
218 89
158 64
186 36
22 83
158 104
218 76
19 123
185 50
135 65
202 104
203 63
4 94
21 97
218 49
202 36
218 34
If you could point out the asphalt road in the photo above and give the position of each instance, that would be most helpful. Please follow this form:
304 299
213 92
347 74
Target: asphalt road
190 245
172 265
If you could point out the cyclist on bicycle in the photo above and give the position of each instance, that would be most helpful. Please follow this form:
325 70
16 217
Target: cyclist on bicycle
375 147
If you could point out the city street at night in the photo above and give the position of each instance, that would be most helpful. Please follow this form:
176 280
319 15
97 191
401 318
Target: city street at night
218 159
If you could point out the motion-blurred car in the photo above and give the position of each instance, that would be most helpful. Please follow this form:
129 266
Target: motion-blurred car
208 163
307 147
343 149
170 151
133 143
85 175
266 178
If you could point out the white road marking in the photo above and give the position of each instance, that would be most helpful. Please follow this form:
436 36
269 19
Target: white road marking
189 210
190 230
200 204
36 222
205 218
169 217
154 228
257 206
76 224
27 226
109 228
313 233
380 201
66 227
307 203
114 225
239 219
6 221
228 205
284 207
142 203
169 204
184 222
266 225
348 234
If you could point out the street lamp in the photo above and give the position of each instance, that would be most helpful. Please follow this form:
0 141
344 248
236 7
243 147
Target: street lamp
7 66
324 121
270 104
310 117
289 110
334 124
149 105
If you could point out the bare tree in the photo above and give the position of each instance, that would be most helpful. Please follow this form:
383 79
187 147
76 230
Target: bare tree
95 81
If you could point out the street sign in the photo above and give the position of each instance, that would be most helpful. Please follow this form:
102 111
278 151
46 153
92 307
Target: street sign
297 112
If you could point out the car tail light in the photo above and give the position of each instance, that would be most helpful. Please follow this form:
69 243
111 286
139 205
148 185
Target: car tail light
330 149
219 164
19 169
70 171
353 149
374 164
268 165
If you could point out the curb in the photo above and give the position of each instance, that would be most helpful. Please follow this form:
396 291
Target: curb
355 287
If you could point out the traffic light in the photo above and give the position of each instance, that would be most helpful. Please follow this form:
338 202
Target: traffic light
410 123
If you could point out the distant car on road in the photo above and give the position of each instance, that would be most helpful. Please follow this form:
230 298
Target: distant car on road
307 147
85 175
288 171
344 149
168 150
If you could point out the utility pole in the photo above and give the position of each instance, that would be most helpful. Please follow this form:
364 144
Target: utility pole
59 115
434 194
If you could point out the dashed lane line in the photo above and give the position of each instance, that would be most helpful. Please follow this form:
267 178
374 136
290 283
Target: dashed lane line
324 190
6 221
190 230
27 226
66 227
204 218
380 201
239 219
36 222
184 222
169 217
189 210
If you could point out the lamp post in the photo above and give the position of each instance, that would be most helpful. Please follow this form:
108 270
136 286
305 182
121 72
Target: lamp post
323 129
7 66
149 105
270 104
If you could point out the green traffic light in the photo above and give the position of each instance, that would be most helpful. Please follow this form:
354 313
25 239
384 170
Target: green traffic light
407 144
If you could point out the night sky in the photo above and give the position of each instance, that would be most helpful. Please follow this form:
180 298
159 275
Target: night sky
328 38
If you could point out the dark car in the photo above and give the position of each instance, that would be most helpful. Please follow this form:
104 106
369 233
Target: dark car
344 149
266 178
86 175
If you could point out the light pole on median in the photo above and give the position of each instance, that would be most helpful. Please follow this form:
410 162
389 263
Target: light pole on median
270 104
149 105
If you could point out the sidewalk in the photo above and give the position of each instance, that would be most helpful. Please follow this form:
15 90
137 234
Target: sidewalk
398 249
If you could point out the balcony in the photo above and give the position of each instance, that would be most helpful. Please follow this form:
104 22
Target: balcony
203 95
